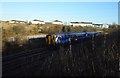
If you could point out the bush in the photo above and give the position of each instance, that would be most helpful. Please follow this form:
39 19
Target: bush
19 29
20 40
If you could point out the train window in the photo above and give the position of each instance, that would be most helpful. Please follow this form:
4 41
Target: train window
88 34
59 38
85 34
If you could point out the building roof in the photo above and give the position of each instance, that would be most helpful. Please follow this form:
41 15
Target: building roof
17 20
75 22
98 24
86 22
82 22
38 20
57 21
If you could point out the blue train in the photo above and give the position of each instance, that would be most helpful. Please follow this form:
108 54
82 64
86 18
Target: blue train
65 38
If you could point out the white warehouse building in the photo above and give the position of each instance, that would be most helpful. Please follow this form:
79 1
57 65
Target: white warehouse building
16 21
101 25
105 26
57 22
37 22
83 24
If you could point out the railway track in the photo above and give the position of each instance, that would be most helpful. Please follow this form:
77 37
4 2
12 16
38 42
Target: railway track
17 62
23 53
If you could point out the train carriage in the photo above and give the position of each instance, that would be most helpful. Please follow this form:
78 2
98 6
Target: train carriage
65 38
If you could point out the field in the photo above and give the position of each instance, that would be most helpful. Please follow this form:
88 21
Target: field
98 57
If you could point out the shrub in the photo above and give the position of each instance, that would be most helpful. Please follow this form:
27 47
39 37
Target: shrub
19 29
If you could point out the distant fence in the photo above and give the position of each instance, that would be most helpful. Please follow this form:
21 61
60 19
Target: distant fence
28 37
36 36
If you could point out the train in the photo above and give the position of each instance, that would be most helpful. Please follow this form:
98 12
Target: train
70 37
